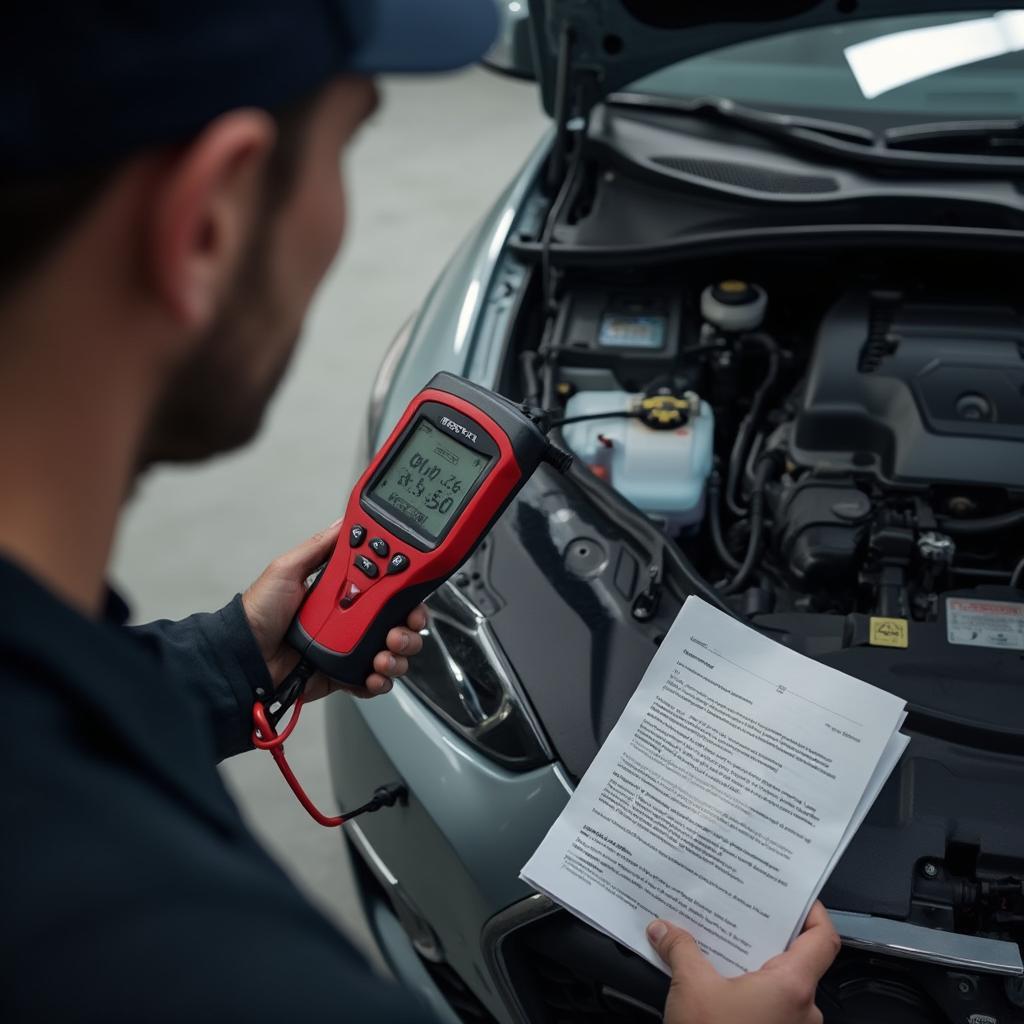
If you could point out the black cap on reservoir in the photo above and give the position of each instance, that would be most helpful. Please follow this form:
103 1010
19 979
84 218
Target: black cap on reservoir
84 82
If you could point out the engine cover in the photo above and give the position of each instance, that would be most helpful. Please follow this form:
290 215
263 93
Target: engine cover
915 392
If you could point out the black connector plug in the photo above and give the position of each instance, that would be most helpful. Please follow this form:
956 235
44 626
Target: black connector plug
389 795
558 458
383 796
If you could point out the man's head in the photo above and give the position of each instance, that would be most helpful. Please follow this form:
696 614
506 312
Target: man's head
180 185
250 216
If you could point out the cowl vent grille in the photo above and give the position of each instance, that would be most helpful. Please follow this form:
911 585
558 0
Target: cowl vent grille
756 179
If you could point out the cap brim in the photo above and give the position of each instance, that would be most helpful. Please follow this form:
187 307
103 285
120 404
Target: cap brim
424 35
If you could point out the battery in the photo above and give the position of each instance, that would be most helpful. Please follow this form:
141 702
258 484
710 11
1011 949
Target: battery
634 332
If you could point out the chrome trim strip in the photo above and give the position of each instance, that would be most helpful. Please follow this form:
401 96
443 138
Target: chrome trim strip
563 777
370 855
494 653
915 942
418 931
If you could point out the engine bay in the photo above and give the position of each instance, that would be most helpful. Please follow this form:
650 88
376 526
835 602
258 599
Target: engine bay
849 448
835 448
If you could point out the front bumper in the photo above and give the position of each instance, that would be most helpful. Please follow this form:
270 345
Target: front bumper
439 879
455 850
553 969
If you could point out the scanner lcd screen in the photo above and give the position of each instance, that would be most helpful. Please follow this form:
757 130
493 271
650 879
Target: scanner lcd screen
429 478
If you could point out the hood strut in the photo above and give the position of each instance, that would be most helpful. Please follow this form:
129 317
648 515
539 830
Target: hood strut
575 94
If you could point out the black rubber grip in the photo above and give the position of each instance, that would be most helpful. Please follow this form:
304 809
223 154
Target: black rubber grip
351 669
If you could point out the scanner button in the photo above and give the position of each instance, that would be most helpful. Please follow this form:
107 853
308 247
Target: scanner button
366 567
379 547
356 536
351 592
398 563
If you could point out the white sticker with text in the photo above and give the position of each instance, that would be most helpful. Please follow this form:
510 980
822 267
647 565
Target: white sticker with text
977 623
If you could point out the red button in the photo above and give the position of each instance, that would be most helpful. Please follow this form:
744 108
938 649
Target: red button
350 593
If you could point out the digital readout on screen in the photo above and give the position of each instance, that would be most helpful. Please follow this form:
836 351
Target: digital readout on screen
429 478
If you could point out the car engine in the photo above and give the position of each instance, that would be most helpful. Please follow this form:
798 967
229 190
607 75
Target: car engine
920 392
831 450
866 468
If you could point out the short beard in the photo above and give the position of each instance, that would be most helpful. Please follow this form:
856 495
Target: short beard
211 405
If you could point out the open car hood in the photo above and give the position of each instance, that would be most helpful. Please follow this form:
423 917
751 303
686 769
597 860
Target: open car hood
610 43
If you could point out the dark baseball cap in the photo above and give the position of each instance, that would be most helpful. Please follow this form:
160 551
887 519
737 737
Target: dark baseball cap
85 82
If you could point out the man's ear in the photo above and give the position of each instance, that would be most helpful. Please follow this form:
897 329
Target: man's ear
207 195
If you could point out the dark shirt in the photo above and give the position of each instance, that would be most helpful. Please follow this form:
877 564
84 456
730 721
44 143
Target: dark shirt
131 889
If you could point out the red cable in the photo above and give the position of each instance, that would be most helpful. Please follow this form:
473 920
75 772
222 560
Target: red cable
266 737
262 726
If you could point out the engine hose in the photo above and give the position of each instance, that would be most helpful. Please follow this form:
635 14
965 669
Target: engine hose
615 414
764 469
531 384
738 455
988 525
715 517
1017 576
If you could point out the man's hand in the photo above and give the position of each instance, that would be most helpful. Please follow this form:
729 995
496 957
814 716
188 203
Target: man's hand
272 601
781 992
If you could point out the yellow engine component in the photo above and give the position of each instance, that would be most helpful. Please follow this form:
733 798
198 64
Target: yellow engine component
664 412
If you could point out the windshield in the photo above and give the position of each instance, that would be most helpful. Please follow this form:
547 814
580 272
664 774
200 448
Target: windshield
809 70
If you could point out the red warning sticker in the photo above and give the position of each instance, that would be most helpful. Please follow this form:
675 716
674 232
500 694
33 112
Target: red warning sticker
996 624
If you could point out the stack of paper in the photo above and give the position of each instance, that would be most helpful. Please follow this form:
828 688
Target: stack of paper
723 797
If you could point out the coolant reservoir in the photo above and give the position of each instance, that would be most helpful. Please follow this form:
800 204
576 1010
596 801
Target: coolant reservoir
663 472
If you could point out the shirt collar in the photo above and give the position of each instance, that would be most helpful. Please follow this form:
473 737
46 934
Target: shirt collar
115 609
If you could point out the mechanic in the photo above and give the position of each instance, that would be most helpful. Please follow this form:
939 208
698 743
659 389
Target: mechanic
170 197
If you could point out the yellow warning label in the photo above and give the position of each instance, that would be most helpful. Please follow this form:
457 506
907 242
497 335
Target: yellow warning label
888 632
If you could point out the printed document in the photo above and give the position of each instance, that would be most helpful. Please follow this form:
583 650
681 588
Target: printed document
723 797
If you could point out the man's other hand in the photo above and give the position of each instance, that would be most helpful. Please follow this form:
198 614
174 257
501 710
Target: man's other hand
272 601
781 992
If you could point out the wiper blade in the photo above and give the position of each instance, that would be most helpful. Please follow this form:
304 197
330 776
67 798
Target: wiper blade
895 148
761 122
785 125
999 137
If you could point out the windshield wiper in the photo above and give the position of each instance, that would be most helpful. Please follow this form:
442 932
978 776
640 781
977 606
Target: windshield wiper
761 122
923 148
787 126
1000 137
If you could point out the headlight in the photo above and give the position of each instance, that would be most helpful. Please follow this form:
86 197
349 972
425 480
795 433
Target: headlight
382 382
464 677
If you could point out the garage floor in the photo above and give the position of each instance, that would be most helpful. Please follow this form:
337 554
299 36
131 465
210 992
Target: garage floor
423 172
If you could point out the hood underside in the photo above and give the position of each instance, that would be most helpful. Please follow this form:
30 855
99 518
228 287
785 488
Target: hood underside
614 42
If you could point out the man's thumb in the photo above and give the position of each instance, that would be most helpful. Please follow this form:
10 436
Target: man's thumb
678 949
307 556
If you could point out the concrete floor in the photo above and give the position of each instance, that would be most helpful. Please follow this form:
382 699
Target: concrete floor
422 173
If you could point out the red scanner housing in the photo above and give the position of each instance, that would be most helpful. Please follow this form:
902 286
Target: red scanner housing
450 467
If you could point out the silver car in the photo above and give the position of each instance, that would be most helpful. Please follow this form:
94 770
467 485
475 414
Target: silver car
764 271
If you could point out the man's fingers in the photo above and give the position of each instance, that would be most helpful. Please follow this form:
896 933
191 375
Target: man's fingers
679 950
404 641
816 917
373 686
388 664
816 946
377 684
302 559
417 618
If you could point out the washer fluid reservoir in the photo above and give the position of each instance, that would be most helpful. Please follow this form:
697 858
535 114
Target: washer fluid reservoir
661 463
